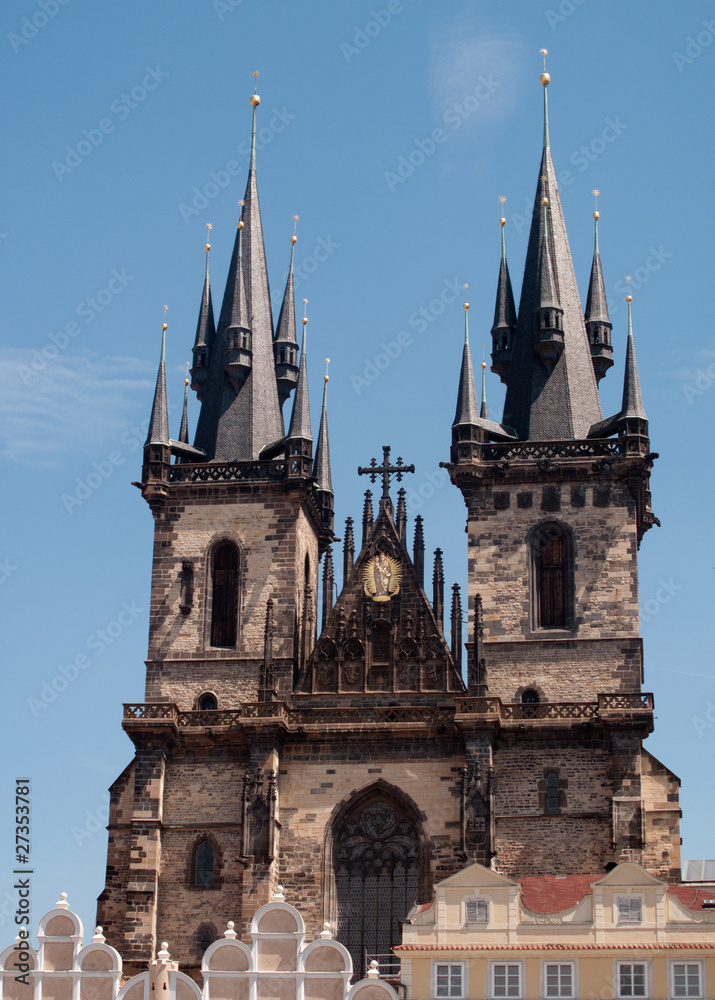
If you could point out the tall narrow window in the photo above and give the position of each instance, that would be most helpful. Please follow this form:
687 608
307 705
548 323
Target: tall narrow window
552 793
204 864
551 552
224 606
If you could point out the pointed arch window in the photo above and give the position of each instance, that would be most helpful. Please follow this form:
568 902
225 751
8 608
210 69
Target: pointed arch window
204 863
207 702
552 577
224 595
380 866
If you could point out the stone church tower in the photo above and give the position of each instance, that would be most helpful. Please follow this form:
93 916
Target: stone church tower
348 759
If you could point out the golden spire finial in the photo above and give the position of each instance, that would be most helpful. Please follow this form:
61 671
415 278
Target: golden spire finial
326 377
240 224
164 324
294 238
207 245
545 78
629 297
596 213
186 380
502 199
255 99
484 364
466 304
305 311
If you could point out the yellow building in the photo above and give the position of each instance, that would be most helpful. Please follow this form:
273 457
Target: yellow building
622 936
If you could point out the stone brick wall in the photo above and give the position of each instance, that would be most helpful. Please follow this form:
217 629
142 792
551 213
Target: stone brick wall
660 789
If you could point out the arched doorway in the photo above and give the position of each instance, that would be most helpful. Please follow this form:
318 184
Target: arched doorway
379 862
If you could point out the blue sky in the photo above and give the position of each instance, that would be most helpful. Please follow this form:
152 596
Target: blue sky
126 133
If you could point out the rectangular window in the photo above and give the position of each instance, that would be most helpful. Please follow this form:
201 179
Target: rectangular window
559 979
449 980
629 909
476 911
632 979
506 980
686 979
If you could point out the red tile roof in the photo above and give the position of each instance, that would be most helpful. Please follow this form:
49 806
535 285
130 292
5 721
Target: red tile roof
550 894
692 896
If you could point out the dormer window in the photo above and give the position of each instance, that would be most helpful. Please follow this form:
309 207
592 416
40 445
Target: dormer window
630 909
476 911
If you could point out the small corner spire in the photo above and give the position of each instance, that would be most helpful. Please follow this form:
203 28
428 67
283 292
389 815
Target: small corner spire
348 549
300 417
467 411
598 322
205 329
438 589
367 516
184 428
418 552
158 432
401 517
632 400
483 412
456 627
545 80
285 343
504 311
321 467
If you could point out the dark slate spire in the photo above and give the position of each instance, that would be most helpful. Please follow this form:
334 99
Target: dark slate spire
632 407
158 432
321 467
300 417
285 345
555 398
504 315
438 589
240 412
467 410
184 428
483 412
418 552
205 332
598 322
348 549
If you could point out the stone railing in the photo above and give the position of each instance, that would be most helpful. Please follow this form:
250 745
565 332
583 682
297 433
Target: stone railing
223 472
525 450
607 706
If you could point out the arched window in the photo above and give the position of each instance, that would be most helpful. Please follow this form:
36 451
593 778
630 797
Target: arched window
379 867
552 792
552 577
530 697
381 642
204 858
207 703
224 596
205 937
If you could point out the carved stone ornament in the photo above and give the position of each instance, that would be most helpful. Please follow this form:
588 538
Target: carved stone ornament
381 577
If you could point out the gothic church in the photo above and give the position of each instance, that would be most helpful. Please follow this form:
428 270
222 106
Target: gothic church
357 750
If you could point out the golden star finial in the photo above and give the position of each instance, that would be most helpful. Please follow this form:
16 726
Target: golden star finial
207 245
294 238
466 304
186 380
596 213
164 324
305 311
326 377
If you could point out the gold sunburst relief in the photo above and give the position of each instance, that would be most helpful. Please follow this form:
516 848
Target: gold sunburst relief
381 577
